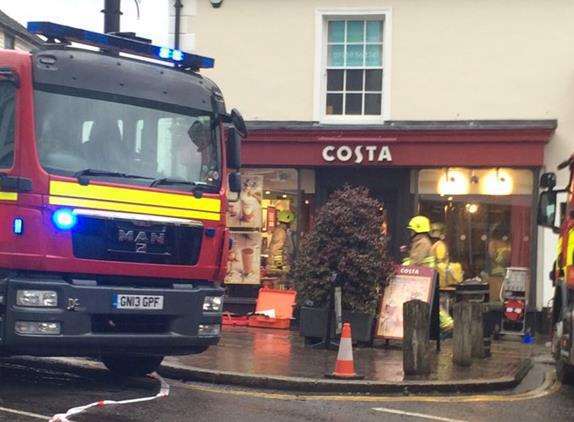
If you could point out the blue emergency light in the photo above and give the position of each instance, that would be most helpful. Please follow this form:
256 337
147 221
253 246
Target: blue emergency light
54 31
64 219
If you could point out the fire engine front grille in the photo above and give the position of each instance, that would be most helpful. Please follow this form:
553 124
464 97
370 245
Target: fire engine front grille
130 324
135 241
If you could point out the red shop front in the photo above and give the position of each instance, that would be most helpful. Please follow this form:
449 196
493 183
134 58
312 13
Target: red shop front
476 180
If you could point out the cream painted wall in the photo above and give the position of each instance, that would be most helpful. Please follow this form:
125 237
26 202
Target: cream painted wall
23 45
450 59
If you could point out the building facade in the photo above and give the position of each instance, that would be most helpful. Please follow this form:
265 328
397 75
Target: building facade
447 108
14 36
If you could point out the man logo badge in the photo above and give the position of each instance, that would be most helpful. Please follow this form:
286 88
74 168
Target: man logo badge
141 239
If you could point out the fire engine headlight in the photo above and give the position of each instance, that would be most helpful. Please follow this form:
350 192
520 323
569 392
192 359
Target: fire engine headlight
212 304
209 330
37 298
38 328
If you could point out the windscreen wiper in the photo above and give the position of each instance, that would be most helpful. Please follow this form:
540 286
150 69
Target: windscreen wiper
198 187
83 180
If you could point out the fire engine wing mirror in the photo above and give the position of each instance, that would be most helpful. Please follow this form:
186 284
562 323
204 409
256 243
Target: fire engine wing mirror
233 149
9 76
239 123
548 181
235 183
547 210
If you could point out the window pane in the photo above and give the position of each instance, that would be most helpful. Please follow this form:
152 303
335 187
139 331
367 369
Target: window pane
354 55
336 56
334 104
335 80
7 95
374 31
336 31
354 80
373 80
353 104
374 55
355 31
373 104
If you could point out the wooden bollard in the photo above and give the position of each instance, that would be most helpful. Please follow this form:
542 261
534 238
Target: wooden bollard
461 336
476 330
416 327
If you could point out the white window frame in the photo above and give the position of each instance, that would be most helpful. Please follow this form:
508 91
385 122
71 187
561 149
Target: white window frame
322 17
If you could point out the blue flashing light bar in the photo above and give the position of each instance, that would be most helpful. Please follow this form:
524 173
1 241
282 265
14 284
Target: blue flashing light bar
120 44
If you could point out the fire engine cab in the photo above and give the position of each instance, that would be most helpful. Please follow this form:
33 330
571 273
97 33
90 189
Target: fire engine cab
114 170
562 275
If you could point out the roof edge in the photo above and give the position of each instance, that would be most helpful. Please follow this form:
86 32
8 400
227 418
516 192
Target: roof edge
409 125
19 30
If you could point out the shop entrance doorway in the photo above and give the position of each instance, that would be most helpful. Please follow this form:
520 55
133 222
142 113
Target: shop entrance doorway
391 186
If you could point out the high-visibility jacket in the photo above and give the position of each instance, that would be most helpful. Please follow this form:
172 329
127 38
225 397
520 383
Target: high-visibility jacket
420 252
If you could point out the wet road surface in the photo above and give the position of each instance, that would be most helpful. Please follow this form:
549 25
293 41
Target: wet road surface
45 392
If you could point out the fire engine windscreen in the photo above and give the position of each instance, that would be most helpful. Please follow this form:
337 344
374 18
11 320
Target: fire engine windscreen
123 135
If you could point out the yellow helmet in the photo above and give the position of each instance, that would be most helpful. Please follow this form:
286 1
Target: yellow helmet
286 216
419 224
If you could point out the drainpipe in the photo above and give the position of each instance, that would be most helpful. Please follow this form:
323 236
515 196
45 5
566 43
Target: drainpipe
177 5
112 15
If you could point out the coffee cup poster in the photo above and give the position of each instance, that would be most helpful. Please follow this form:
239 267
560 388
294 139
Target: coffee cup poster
244 258
246 213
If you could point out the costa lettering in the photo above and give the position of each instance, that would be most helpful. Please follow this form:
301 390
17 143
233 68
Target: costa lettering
358 154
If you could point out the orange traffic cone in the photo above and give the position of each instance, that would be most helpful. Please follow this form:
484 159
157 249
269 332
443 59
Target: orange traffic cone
345 367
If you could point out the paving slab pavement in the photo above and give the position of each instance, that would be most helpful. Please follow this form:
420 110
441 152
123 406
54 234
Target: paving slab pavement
278 359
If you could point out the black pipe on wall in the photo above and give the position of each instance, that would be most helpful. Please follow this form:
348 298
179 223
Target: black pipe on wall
178 6
112 15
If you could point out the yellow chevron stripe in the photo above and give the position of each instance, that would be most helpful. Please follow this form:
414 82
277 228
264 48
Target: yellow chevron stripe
8 196
133 208
134 196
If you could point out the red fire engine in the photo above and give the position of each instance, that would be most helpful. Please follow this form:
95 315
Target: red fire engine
562 274
113 179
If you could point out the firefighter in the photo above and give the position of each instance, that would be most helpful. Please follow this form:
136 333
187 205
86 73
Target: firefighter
439 248
420 243
421 253
281 246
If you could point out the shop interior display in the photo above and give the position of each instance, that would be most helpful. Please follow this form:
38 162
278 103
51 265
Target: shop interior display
263 224
486 215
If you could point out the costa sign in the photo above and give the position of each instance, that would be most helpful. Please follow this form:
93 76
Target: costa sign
357 154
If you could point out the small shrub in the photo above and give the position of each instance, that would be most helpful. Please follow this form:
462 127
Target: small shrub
346 239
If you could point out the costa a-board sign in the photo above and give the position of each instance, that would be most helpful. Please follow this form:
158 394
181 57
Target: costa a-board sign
409 282
357 154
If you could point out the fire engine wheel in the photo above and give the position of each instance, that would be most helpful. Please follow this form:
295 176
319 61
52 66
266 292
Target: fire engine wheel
131 366
564 372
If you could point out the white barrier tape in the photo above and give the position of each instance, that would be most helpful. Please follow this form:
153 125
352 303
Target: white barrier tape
163 392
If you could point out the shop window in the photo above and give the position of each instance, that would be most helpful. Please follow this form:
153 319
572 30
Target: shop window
352 76
266 224
484 216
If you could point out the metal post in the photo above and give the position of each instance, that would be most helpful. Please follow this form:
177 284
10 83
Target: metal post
112 15
177 5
